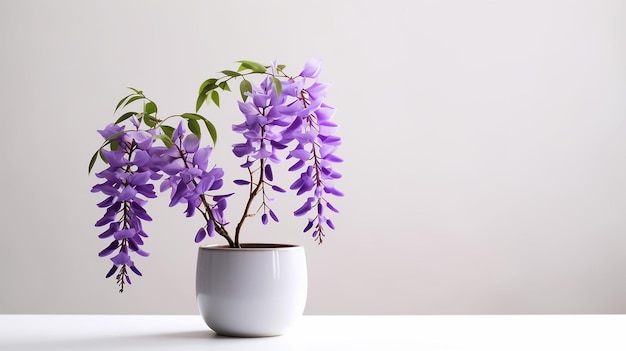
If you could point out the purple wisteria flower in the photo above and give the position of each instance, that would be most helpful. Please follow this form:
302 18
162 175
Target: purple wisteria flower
291 111
127 189
284 118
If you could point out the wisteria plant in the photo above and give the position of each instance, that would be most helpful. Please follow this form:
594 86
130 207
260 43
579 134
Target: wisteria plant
284 118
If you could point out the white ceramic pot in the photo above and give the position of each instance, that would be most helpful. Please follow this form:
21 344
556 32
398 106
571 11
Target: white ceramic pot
256 290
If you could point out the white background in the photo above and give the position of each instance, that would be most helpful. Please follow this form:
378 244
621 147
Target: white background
484 143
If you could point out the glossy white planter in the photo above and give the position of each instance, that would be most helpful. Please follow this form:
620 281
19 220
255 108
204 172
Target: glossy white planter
257 290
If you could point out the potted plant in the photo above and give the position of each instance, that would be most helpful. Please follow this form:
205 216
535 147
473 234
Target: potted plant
243 289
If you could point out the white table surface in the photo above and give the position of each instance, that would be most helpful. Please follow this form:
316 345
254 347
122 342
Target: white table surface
320 333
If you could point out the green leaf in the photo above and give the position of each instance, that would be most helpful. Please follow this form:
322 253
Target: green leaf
231 73
150 120
280 67
125 116
192 116
150 108
194 126
209 126
165 139
93 161
254 66
245 87
224 86
278 85
133 98
167 130
200 101
122 101
136 91
207 86
212 130
215 97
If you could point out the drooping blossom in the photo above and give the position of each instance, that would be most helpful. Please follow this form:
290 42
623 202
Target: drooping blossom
189 180
297 117
127 187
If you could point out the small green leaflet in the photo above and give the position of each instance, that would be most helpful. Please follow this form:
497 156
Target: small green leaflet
231 73
209 126
215 97
200 101
245 87
278 85
194 126
167 130
150 108
166 140
254 66
125 116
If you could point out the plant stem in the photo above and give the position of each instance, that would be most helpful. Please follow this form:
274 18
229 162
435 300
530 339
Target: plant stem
253 193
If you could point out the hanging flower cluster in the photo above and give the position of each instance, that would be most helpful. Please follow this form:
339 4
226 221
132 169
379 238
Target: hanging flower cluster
127 189
285 118
287 112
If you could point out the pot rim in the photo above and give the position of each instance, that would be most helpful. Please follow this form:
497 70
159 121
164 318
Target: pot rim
252 247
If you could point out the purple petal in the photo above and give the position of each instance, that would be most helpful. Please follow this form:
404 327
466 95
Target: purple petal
303 209
111 271
113 227
115 158
191 143
191 209
110 130
121 259
141 137
242 149
312 68
146 190
124 233
264 218
211 228
127 193
247 108
331 207
278 145
300 154
273 215
318 90
268 172
106 202
109 249
308 226
106 219
217 184
135 270
174 166
330 224
200 235
205 183
331 190
333 158
296 166
179 194
142 253
201 157
241 182
140 212
179 132
279 189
